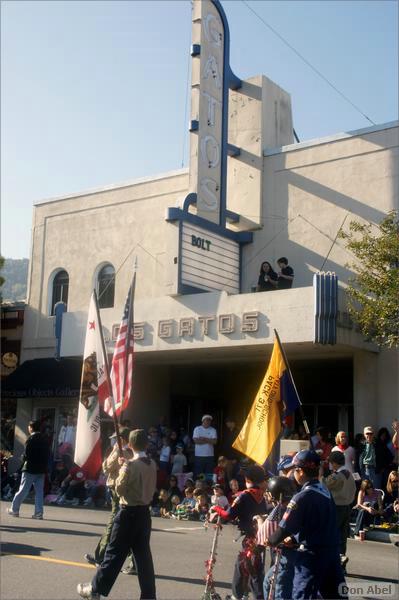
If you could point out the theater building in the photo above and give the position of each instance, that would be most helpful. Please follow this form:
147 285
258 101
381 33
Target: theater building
203 336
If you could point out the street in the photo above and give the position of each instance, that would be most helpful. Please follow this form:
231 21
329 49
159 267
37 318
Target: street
44 559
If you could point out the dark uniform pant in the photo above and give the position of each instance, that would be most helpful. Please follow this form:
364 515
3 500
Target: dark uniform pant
131 531
343 517
248 575
318 571
99 552
284 576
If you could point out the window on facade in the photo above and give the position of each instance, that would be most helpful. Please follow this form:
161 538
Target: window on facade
60 289
106 287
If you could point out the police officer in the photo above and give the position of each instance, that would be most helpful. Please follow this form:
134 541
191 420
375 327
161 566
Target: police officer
135 487
310 516
281 573
248 569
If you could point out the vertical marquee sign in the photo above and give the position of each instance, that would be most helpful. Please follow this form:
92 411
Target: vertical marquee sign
210 81
206 110
199 267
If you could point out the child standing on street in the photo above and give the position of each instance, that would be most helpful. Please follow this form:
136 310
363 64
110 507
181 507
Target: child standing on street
179 460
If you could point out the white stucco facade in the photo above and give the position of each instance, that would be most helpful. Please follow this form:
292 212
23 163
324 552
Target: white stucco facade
294 198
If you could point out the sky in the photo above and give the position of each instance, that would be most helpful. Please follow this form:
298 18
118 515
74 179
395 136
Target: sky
96 93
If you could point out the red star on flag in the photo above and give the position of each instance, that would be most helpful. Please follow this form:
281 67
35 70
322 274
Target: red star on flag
92 324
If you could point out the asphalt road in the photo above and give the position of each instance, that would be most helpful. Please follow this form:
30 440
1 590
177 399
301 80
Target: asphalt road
44 559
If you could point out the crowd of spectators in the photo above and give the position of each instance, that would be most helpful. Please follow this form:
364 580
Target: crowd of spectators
183 493
372 458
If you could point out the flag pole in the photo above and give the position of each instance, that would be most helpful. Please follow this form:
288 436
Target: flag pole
107 374
287 366
130 325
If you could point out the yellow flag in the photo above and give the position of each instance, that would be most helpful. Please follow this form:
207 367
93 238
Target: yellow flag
263 424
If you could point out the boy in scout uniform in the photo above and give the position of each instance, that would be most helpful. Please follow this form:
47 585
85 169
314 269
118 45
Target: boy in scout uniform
135 487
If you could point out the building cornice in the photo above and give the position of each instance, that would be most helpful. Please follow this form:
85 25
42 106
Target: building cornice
331 138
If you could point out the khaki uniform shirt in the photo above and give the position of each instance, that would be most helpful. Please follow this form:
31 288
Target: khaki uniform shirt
136 482
111 465
342 486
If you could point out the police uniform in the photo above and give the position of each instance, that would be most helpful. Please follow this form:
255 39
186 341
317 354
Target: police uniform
248 568
310 517
135 487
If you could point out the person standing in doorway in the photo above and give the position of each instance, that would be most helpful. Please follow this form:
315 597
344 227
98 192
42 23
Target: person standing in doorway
34 467
205 439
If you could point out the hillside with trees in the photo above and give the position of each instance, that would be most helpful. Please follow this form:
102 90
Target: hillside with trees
15 275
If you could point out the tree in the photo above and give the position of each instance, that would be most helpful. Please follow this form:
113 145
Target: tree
373 294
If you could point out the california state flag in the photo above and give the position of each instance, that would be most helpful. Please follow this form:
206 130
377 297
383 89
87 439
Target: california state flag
93 391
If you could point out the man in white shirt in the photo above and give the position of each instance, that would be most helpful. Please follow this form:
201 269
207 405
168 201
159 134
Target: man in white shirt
205 438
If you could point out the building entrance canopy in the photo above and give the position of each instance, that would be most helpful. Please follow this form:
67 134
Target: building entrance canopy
44 378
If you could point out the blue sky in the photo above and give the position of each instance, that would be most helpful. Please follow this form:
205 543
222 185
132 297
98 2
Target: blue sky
94 93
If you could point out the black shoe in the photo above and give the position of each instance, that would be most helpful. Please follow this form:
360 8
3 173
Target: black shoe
91 560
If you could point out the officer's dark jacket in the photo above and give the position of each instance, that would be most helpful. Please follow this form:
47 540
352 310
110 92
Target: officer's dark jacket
311 517
35 457
249 503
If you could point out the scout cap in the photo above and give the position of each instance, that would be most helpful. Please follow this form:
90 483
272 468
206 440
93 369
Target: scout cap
123 432
285 463
308 459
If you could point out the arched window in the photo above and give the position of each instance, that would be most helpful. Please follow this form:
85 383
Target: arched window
60 289
106 286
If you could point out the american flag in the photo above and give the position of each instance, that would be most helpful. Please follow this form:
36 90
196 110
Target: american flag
122 360
270 525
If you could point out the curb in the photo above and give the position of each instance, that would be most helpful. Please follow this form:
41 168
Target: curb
382 536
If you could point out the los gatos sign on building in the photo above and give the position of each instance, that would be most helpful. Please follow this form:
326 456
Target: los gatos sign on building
195 327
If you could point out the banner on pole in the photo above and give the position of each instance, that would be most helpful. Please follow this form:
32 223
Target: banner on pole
93 392
275 399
